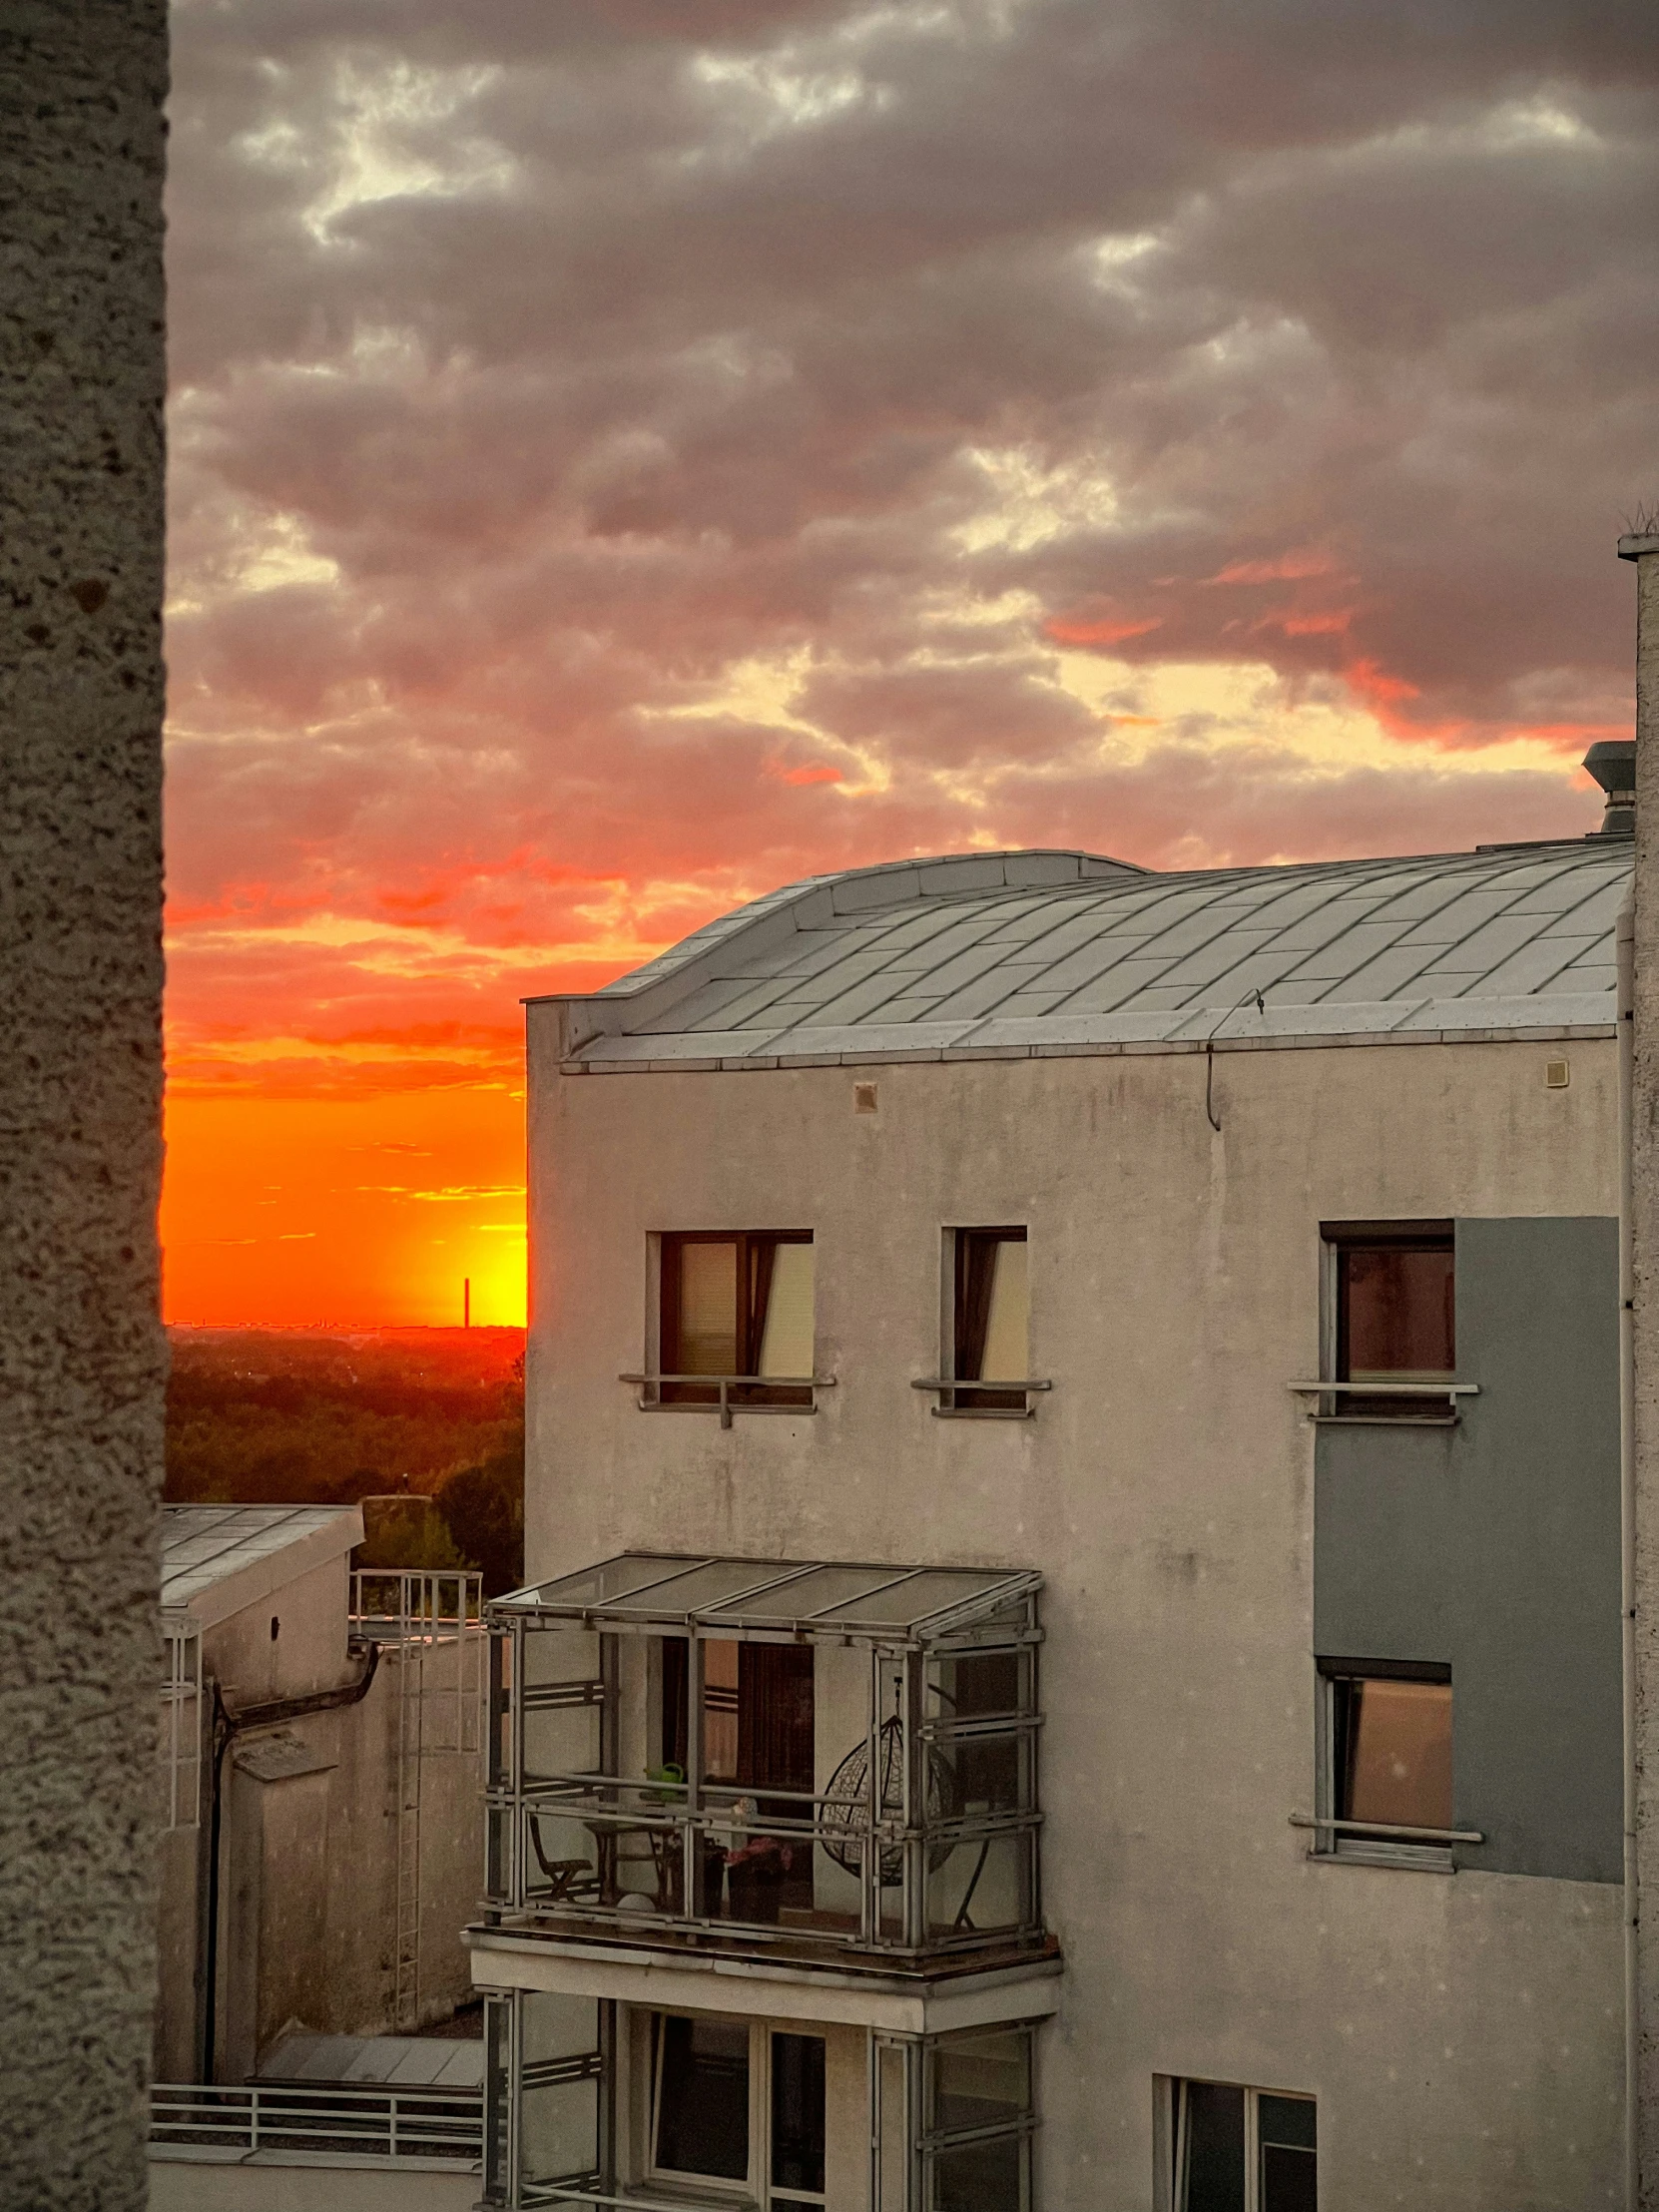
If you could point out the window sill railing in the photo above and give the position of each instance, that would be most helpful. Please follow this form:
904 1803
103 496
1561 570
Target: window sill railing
953 1387
725 1403
1404 1393
1383 1832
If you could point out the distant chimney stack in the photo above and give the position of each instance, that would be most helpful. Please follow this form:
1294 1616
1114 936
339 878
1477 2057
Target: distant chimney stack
1612 762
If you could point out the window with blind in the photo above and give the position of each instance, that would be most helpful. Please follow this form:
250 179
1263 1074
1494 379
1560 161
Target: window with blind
1395 1314
1386 1742
991 1316
738 1304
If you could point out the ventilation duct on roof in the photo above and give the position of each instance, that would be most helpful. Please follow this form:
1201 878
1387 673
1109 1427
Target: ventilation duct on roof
1612 762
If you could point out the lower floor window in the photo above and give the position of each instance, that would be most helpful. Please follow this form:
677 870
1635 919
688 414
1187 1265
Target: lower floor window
701 2101
796 2118
737 2101
1243 2150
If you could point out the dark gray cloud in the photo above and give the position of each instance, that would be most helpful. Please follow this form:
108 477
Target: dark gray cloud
677 447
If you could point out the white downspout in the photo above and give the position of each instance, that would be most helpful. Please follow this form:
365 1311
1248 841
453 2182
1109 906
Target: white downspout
1626 941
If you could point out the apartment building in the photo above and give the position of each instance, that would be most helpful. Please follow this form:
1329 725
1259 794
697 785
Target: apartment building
1073 1651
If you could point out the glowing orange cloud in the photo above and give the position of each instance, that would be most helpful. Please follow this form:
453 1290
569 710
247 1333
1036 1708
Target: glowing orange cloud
1284 569
815 772
1334 623
1067 631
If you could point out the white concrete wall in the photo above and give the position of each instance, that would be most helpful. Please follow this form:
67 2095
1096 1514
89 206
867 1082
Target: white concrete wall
309 1868
307 1653
1462 2034
214 2185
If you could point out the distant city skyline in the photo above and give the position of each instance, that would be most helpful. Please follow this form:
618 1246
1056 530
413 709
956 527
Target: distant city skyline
625 458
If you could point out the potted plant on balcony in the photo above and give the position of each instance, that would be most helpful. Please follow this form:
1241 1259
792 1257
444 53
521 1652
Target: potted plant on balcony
668 1851
755 1869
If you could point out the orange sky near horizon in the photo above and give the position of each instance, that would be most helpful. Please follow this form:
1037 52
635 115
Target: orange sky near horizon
343 1213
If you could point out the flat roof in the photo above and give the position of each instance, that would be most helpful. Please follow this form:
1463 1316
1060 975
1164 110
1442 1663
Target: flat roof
374 2061
650 1589
217 1558
1003 952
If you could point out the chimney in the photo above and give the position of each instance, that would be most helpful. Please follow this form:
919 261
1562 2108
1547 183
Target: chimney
1612 762
1640 544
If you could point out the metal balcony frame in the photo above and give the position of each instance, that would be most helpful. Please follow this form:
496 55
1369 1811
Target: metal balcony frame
892 1917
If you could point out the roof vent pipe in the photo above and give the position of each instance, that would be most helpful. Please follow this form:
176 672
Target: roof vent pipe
1612 762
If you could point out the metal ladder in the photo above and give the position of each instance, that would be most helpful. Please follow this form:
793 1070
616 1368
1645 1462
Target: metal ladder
413 1613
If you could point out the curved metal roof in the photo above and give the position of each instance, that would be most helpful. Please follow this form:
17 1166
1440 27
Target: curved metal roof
1021 952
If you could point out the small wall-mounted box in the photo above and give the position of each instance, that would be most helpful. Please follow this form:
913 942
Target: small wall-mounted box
1557 1074
864 1098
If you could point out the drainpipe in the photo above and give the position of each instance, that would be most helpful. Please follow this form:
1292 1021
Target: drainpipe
227 1726
1638 1342
1626 941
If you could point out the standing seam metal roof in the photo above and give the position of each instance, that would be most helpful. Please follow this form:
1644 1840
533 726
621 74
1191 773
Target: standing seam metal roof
920 957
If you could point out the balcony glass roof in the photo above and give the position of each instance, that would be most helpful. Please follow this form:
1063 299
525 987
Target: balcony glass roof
642 1589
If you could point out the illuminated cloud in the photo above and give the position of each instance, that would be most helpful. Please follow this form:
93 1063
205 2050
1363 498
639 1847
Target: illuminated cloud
627 455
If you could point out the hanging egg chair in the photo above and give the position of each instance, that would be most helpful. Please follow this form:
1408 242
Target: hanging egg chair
846 1810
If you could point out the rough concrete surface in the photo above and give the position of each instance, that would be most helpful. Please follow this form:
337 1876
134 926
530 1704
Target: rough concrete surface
1645 1255
82 1357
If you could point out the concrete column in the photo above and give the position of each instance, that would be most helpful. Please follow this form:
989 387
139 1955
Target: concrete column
1643 550
82 1357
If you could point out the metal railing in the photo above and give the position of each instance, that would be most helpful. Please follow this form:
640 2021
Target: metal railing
182 1719
197 2118
948 1387
1404 1393
749 1388
589 1848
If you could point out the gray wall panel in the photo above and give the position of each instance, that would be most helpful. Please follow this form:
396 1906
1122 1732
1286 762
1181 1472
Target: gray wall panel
1495 1547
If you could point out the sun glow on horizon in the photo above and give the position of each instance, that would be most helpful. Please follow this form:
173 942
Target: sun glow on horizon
344 1212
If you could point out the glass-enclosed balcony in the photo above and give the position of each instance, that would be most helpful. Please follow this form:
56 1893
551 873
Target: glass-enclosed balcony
788 1751
600 2104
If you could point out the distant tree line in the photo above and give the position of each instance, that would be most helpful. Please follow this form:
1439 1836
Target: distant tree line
274 1417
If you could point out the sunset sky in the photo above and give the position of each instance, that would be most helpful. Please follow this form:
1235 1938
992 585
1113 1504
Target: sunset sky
628 455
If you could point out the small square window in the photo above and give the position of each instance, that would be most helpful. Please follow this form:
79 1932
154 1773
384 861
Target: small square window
1242 2150
737 1306
1394 1318
1386 1759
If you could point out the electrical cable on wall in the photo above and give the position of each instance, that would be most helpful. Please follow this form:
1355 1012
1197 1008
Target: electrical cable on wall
1210 1055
